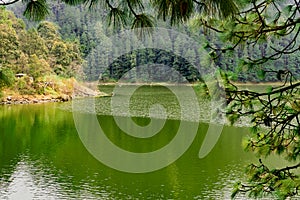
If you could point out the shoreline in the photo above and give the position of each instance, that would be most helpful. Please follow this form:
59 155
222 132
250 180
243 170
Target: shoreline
34 99
176 84
12 98
88 90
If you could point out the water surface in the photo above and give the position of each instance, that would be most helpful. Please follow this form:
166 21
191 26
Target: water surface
42 157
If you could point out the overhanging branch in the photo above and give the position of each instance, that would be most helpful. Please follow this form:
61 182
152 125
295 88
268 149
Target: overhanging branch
4 3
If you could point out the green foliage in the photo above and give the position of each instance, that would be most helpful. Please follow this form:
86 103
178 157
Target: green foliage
274 117
38 67
36 53
23 86
261 74
48 31
36 10
6 77
86 27
116 18
267 181
144 21
136 11
9 43
202 90
146 64
31 43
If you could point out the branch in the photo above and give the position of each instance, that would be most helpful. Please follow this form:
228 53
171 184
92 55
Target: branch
109 5
3 3
288 168
257 94
131 9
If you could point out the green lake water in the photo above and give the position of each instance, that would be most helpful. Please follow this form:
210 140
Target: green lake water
42 157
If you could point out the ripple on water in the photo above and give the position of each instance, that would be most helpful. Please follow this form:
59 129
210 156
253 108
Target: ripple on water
209 111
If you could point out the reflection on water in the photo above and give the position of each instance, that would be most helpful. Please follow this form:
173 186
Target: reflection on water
31 180
146 96
41 157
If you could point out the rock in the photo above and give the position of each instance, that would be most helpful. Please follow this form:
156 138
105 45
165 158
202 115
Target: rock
46 99
65 97
82 91
27 99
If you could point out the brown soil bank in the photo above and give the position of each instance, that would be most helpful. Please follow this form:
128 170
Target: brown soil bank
63 95
32 99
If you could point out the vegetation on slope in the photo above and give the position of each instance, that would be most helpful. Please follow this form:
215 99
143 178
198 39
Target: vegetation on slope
91 31
34 61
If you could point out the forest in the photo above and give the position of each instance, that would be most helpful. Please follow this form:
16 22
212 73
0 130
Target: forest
88 28
35 54
249 41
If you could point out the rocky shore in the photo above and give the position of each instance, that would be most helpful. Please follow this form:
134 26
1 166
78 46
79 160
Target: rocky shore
78 91
34 99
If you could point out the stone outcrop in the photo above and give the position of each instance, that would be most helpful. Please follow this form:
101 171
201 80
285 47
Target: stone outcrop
34 99
82 91
78 91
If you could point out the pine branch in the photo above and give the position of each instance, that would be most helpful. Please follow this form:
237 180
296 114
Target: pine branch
3 3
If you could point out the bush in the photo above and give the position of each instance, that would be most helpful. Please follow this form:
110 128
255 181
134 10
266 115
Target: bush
6 77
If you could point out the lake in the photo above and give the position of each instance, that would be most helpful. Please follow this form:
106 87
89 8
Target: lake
43 157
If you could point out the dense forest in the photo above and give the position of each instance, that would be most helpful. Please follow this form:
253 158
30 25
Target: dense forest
89 28
29 57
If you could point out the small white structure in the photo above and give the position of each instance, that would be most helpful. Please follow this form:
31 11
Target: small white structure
20 75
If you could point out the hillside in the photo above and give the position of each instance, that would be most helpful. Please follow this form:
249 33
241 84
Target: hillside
36 61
